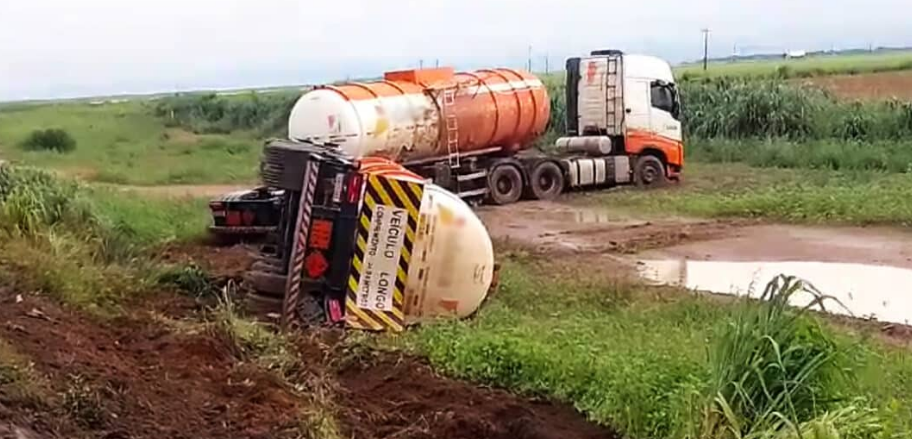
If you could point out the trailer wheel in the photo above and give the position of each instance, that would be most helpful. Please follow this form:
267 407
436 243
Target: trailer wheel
269 284
260 304
650 172
505 184
546 181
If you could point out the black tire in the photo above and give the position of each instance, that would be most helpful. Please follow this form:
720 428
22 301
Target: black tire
260 304
266 267
270 284
650 172
546 182
505 184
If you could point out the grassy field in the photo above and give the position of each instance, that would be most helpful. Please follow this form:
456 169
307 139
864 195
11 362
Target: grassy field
820 65
893 156
788 195
88 247
125 143
643 360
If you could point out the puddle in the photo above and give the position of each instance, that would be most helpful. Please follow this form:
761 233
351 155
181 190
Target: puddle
587 216
880 292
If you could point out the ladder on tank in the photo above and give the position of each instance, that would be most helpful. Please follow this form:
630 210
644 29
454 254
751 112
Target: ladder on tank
612 99
452 127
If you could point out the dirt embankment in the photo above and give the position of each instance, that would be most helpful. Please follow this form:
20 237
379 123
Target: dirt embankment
136 377
395 398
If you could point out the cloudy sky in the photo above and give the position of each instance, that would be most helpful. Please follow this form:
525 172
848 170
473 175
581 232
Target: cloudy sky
64 48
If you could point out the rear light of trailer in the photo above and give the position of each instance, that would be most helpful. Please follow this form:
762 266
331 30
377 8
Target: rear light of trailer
218 209
354 188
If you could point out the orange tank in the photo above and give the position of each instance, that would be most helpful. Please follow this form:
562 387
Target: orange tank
422 114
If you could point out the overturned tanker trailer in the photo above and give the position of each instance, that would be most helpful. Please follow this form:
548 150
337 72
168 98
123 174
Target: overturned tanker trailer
366 243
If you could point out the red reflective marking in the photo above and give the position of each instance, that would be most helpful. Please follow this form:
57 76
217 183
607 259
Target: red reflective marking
335 311
315 264
321 234
233 218
249 217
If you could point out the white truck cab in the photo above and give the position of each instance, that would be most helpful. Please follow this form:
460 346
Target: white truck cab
630 102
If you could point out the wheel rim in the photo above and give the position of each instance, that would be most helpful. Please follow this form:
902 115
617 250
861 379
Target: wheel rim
650 173
546 182
504 185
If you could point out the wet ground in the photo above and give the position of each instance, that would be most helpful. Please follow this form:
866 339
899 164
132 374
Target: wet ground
867 269
553 227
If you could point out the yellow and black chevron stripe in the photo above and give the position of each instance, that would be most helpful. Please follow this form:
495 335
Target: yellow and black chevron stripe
389 192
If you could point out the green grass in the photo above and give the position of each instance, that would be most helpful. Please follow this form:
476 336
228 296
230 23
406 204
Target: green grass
633 358
893 156
820 65
125 143
789 195
86 247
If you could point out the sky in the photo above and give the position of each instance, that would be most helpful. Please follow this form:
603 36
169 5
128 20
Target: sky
69 48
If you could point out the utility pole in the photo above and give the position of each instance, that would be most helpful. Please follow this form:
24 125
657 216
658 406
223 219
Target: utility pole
437 62
547 67
420 63
705 49
530 58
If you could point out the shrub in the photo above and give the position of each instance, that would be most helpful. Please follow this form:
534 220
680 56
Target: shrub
51 139
215 114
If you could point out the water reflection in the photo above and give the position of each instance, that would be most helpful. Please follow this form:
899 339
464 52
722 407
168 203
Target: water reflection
867 291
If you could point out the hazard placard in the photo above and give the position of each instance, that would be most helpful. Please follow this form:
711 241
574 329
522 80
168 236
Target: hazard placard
387 227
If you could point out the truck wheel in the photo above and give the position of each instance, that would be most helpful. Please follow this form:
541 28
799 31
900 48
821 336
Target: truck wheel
265 283
546 181
505 184
650 172
260 304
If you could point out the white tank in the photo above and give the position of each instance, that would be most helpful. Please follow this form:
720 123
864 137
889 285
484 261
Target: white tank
456 256
451 267
392 127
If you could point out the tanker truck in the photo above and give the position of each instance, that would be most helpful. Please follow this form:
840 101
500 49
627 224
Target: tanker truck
473 133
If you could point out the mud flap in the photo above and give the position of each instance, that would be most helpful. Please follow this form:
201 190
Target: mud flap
387 226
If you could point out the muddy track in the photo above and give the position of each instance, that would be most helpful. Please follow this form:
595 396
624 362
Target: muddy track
561 228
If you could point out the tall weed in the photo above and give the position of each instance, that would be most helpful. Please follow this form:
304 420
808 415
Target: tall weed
778 375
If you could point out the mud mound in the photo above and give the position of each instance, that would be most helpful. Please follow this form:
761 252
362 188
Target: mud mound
222 263
398 397
128 378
